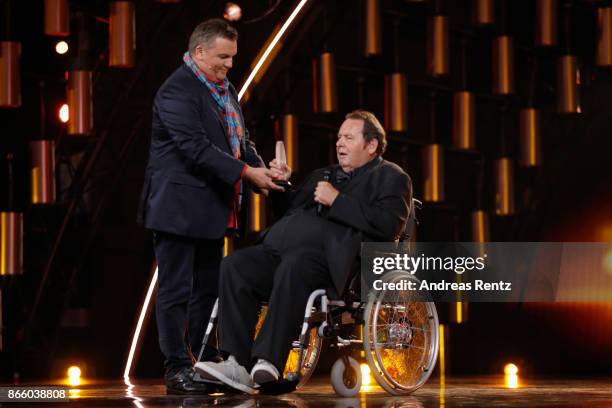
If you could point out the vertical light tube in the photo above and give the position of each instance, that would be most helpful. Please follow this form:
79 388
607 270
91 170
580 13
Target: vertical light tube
122 34
484 12
396 101
438 60
372 29
546 23
433 173
324 84
568 97
11 243
78 94
464 120
503 65
257 212
10 80
504 187
531 154
42 172
57 17
604 38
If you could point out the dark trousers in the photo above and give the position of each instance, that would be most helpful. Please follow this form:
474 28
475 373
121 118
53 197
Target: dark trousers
283 279
188 281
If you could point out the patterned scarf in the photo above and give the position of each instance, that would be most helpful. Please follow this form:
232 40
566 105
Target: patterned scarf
220 94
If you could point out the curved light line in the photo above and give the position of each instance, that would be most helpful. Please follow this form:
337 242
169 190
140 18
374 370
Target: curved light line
271 46
136 337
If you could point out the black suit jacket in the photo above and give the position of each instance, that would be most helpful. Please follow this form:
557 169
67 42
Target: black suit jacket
188 188
373 206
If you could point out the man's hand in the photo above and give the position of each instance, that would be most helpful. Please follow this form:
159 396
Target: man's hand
325 193
281 171
262 178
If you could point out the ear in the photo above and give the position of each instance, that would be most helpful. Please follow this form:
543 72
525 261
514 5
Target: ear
372 146
199 52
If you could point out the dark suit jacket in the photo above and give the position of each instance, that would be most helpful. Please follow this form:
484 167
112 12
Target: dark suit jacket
188 188
373 206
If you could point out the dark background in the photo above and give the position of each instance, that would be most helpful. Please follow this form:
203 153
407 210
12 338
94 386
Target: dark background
103 263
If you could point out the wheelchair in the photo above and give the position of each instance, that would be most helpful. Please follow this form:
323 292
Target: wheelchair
397 333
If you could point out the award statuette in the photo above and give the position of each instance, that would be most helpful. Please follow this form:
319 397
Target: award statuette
281 158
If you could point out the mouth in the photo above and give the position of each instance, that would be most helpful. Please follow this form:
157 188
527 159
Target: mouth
342 154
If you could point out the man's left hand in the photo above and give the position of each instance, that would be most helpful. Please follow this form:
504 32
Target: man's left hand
325 193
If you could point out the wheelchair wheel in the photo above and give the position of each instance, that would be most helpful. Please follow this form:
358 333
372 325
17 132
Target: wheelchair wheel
346 380
400 337
310 355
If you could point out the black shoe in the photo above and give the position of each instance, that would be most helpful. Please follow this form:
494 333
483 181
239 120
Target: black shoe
182 383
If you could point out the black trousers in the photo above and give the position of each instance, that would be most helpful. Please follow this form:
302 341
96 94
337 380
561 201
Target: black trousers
188 281
283 271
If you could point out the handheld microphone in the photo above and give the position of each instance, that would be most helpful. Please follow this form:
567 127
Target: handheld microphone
326 177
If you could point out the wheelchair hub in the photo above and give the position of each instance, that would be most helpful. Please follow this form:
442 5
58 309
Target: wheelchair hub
400 333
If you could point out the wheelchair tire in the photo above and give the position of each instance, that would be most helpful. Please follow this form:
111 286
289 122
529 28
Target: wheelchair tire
346 383
400 337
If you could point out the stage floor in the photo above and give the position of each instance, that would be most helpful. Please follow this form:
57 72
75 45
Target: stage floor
465 392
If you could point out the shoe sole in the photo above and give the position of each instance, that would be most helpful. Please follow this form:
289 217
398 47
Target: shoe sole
208 371
209 380
263 377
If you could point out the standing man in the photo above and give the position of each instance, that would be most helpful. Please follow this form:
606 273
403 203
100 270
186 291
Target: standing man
193 192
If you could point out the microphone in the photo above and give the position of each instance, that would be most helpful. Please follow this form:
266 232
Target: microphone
326 177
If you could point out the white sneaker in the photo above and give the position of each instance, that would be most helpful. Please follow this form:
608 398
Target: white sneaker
264 372
229 372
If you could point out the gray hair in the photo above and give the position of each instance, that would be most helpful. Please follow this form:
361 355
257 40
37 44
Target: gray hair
206 32
372 129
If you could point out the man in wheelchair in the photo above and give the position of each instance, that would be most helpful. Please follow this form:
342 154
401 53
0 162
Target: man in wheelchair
314 245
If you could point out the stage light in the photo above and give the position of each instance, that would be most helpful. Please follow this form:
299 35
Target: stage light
61 47
433 170
504 186
365 374
233 12
396 102
64 113
74 375
42 172
10 79
257 212
511 381
74 393
141 317
11 243
272 44
510 369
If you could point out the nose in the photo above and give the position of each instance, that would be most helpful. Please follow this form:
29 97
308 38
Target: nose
229 63
339 142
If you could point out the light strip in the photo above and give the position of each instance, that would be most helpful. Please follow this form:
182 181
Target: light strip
265 55
143 313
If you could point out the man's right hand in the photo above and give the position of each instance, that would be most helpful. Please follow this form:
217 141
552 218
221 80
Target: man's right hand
262 178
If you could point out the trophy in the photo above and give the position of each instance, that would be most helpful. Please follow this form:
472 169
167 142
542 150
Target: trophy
281 158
